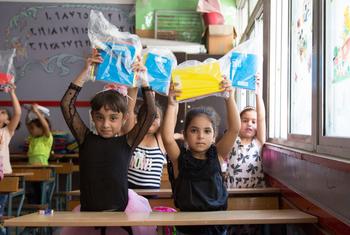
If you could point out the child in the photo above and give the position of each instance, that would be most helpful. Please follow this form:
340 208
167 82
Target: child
104 158
8 125
40 137
197 181
146 165
245 165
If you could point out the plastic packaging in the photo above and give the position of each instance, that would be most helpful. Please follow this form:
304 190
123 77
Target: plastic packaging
212 11
31 115
159 64
242 63
197 80
118 50
7 68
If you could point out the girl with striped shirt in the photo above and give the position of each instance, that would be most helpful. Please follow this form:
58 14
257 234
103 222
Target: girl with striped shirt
146 164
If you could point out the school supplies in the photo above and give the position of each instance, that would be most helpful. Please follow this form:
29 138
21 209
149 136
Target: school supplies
159 64
7 69
242 64
32 115
197 80
118 51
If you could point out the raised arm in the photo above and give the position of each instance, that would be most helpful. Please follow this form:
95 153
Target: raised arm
147 112
224 146
168 128
69 111
16 110
130 121
260 110
42 120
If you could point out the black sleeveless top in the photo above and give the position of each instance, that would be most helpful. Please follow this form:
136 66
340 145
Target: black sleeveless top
199 187
103 173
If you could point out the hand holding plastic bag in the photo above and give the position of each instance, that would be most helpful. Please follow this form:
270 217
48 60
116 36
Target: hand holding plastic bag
159 64
197 80
117 49
7 68
242 63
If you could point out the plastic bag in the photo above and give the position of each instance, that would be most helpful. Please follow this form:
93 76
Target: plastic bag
32 116
242 63
197 80
212 11
118 50
7 69
159 64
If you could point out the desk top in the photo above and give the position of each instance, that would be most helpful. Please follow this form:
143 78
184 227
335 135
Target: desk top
19 174
168 192
14 166
88 219
53 156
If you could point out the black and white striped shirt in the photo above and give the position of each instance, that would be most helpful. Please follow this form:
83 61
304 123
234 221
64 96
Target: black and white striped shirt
146 166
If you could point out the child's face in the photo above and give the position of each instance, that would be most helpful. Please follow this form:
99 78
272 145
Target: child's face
248 124
107 122
4 117
156 124
34 130
199 134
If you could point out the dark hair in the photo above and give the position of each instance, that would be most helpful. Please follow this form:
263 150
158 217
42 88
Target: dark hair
141 109
38 124
209 112
246 109
109 99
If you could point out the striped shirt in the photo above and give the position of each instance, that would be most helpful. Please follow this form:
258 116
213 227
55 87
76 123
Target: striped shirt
146 166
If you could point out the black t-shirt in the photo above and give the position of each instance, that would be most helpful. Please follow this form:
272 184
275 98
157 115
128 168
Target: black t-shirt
103 173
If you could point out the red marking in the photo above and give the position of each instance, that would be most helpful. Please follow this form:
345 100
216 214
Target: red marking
45 103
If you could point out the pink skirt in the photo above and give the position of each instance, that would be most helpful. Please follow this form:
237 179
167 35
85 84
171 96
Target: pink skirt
136 203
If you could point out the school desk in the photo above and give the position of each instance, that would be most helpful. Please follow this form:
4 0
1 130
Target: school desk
107 219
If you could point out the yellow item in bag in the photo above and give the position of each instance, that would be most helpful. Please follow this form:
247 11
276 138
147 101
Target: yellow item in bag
198 80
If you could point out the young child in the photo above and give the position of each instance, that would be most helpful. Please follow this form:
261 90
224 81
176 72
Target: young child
197 181
245 165
8 125
40 137
104 158
146 165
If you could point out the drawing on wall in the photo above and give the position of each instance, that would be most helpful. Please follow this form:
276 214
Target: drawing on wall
341 46
54 37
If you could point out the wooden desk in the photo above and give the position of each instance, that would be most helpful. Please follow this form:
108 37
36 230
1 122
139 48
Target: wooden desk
107 219
167 193
19 174
33 166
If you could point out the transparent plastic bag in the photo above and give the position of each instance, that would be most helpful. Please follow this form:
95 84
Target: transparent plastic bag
242 63
197 80
159 64
118 51
7 68
32 116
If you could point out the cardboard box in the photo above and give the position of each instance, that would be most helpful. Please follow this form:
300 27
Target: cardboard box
220 39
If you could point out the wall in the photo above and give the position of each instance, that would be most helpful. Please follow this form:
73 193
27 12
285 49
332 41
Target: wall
315 184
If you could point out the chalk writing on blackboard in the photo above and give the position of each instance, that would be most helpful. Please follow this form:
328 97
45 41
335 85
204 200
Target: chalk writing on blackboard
55 36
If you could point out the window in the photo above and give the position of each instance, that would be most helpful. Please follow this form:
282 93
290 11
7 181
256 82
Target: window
301 74
337 73
307 64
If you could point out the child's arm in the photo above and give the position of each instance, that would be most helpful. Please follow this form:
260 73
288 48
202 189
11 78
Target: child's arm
224 146
169 124
131 119
42 120
260 110
16 111
69 111
147 112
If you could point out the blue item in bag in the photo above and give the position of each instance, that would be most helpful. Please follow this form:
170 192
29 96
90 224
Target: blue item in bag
116 65
243 70
159 72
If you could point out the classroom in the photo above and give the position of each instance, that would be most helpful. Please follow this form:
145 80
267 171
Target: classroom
209 117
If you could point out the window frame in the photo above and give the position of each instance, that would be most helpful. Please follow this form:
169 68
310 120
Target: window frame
317 142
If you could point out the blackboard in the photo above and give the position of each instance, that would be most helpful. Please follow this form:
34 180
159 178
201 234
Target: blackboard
51 41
